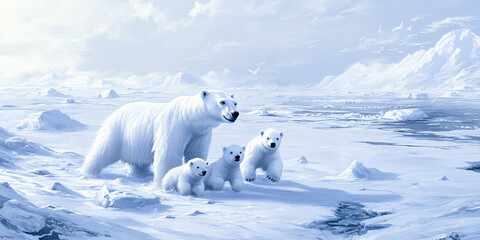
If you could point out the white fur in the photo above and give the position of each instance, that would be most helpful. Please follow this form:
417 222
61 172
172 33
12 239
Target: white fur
260 154
227 168
187 178
144 133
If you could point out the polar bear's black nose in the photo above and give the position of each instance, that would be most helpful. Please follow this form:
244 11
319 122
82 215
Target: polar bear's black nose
204 172
235 114
237 157
272 145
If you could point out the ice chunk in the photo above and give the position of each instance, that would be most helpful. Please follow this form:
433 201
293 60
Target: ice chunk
356 171
195 213
49 120
52 92
418 96
61 188
123 200
410 114
69 100
42 172
444 178
260 112
301 159
451 236
24 147
108 94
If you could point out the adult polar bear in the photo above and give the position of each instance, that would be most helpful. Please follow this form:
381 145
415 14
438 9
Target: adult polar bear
141 133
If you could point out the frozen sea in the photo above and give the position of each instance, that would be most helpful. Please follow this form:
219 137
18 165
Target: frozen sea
370 165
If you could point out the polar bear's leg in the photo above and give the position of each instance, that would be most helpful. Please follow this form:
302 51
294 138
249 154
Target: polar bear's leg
105 150
169 182
216 183
274 170
248 171
167 155
198 147
198 188
138 170
184 187
236 181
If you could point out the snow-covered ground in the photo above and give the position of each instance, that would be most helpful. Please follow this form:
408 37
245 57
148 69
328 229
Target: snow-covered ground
349 171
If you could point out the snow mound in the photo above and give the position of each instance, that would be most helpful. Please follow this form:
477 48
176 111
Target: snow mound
417 96
24 147
260 112
61 188
451 236
301 159
20 219
195 213
49 120
183 78
117 199
453 63
108 94
52 92
356 171
410 114
41 172
69 100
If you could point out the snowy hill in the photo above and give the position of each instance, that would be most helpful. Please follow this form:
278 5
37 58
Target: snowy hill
108 94
452 64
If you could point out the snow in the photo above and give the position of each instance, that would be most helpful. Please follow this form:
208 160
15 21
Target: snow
411 114
108 94
358 163
123 200
356 171
49 120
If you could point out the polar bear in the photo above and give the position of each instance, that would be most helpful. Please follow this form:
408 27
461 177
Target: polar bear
143 133
227 168
187 178
262 152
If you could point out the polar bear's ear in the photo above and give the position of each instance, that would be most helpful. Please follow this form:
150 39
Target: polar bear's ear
243 147
191 163
281 134
261 133
204 94
231 95
224 148
206 163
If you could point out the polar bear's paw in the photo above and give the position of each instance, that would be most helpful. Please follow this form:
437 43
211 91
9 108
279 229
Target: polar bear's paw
273 178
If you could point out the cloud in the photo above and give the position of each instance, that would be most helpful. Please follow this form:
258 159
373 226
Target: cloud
450 21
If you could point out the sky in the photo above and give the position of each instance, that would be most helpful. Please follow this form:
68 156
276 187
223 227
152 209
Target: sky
227 43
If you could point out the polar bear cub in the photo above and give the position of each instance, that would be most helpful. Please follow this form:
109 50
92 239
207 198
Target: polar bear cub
187 178
227 168
262 152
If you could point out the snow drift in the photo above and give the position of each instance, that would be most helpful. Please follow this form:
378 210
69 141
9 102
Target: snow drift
183 78
123 200
411 114
452 64
50 120
356 171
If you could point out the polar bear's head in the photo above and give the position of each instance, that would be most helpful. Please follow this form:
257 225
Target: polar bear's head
233 154
198 167
271 138
220 106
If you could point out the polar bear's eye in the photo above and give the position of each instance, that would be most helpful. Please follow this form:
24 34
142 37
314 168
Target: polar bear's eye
222 102
268 138
240 152
235 104
198 167
231 152
277 139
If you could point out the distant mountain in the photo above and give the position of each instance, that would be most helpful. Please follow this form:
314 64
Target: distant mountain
452 64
